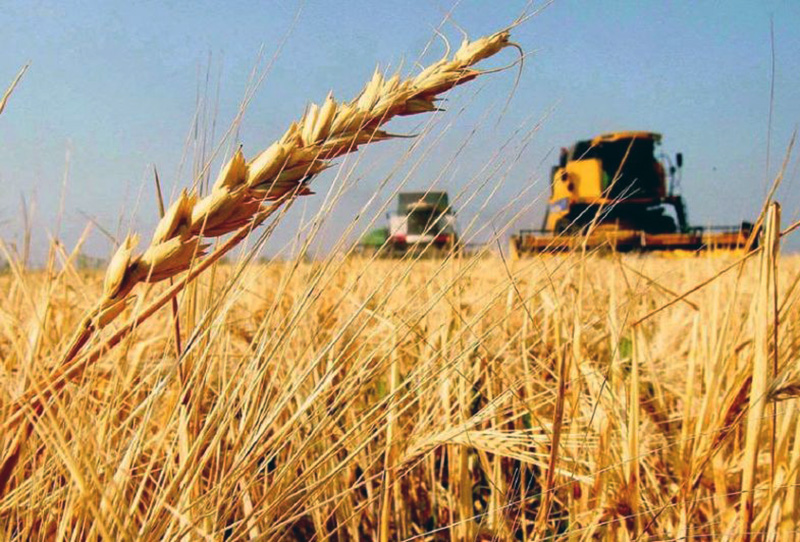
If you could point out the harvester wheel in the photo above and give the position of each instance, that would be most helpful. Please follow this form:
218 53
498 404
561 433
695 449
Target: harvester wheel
563 225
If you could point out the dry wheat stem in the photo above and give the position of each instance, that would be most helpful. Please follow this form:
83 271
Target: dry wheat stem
261 412
14 83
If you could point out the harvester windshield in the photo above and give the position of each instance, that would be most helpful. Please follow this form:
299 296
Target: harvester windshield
629 160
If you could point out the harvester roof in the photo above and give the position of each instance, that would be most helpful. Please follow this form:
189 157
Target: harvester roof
618 136
410 201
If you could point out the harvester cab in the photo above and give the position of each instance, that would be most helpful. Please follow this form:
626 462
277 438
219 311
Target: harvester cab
617 189
422 221
619 175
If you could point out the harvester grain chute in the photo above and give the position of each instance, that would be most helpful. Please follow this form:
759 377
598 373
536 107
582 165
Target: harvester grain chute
615 191
423 222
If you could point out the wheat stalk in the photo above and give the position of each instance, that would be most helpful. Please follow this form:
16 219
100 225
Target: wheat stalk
760 387
243 196
282 171
278 174
14 83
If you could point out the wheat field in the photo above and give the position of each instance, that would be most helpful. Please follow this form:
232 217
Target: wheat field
190 391
413 400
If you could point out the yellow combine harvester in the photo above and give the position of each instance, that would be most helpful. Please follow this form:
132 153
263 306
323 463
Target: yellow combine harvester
614 191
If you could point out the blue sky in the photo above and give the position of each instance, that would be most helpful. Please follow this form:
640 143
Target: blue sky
115 84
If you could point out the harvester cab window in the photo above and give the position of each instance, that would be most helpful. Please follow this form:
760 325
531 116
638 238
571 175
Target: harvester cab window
631 162
563 157
582 150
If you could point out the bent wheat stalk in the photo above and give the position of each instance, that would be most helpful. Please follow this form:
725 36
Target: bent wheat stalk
237 203
14 83
283 170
